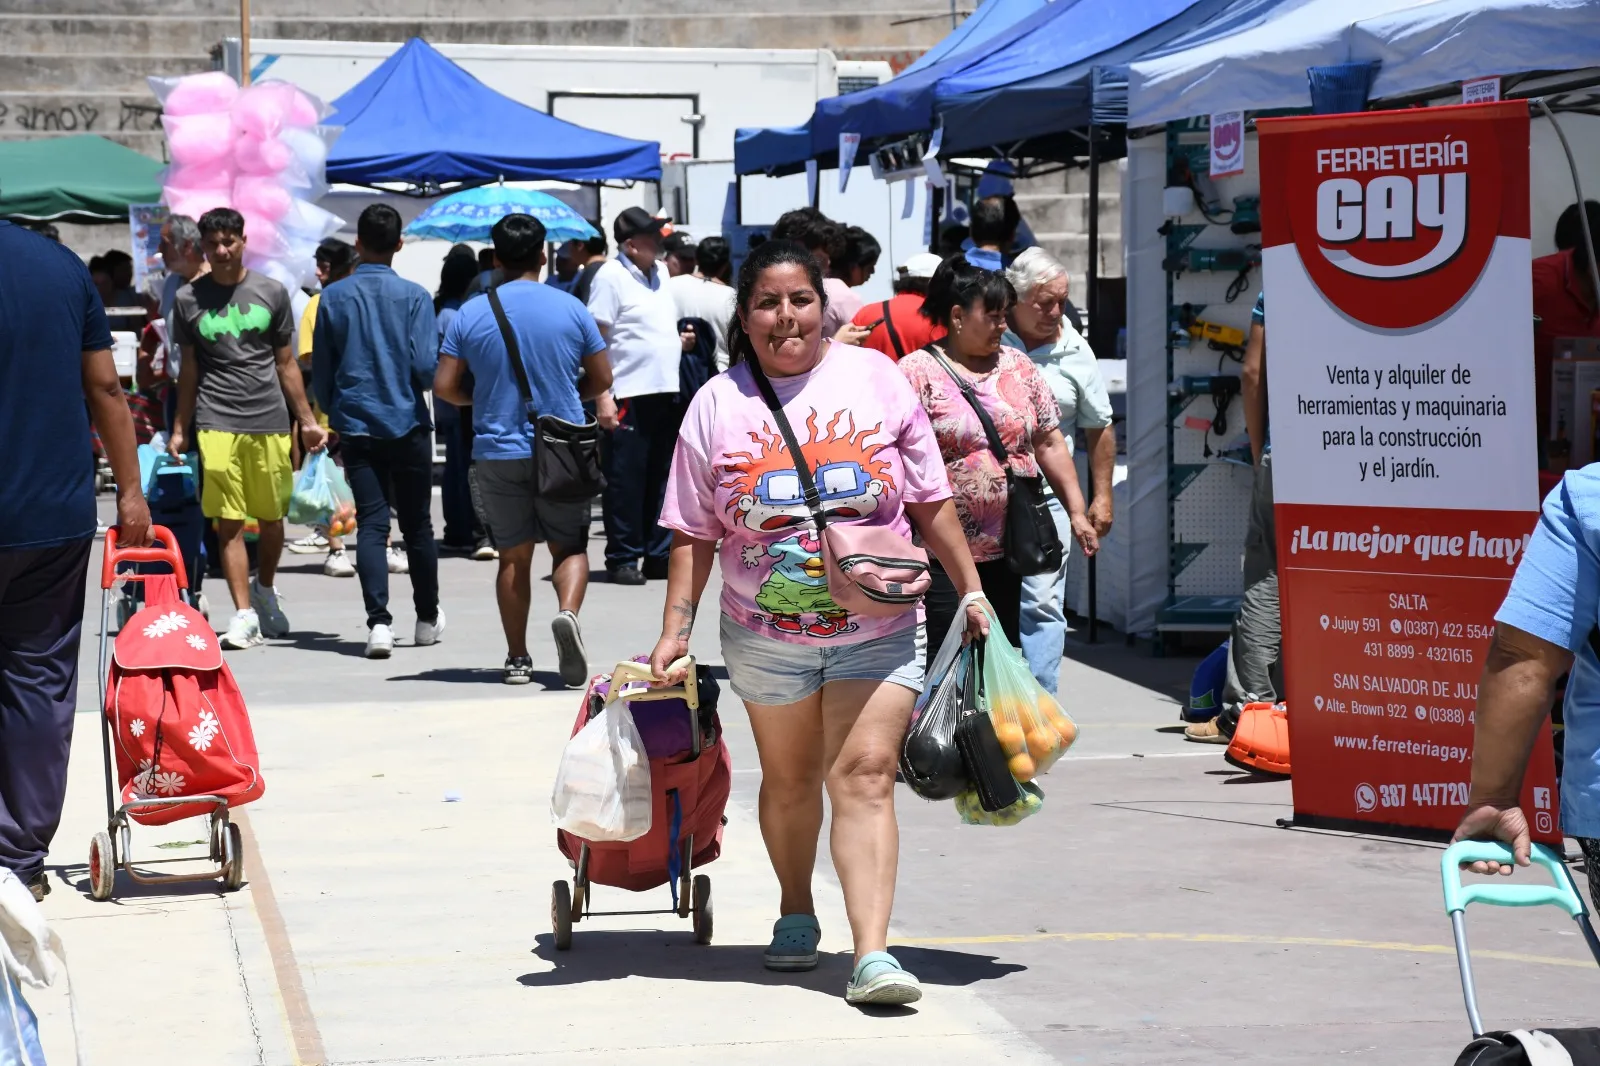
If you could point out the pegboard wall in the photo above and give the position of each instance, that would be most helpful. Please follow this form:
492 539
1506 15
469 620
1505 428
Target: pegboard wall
1208 451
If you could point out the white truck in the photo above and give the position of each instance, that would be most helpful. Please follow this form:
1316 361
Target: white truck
691 100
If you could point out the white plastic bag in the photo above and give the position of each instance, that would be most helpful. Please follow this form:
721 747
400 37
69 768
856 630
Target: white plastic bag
603 783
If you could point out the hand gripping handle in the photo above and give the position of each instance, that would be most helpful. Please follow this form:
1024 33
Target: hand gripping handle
156 553
629 672
1457 896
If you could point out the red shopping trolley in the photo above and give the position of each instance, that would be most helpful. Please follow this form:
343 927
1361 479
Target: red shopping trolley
174 730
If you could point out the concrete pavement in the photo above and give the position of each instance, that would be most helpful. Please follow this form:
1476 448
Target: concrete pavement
1152 913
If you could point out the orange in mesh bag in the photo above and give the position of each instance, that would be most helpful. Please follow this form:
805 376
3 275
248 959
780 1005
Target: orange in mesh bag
1030 724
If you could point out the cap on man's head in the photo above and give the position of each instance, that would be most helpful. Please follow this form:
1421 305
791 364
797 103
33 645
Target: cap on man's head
634 221
921 265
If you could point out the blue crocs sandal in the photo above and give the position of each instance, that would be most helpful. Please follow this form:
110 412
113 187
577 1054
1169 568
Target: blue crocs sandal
879 980
794 943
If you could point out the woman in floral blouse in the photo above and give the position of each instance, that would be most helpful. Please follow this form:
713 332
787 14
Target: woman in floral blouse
971 304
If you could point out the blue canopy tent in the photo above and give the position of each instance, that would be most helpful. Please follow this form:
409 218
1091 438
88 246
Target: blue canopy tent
991 18
421 120
1038 88
902 104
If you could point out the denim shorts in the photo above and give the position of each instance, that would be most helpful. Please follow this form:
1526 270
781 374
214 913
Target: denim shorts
772 672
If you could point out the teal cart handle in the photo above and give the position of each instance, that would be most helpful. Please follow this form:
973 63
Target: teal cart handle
1562 893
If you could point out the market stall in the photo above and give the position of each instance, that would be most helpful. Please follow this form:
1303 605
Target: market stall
84 178
421 120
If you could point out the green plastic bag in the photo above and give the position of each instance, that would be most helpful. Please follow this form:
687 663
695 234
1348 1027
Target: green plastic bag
972 812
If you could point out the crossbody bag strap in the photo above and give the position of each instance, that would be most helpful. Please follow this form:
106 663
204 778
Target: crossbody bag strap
807 484
996 445
513 350
894 334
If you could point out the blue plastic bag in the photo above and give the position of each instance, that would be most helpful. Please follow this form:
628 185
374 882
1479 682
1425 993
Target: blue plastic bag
19 1030
315 497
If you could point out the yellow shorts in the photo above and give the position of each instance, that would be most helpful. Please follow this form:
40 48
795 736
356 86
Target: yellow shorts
245 475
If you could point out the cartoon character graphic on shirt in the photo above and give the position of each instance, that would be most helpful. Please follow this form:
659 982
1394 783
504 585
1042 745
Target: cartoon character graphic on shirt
768 496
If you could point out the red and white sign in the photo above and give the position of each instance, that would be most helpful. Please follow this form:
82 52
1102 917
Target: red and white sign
1480 90
1227 143
1396 263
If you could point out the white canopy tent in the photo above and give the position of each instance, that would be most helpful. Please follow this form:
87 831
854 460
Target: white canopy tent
1420 45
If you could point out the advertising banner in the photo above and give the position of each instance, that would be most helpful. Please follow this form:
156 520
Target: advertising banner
1399 308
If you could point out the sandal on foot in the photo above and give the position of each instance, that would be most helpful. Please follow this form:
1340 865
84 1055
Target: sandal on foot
879 980
794 943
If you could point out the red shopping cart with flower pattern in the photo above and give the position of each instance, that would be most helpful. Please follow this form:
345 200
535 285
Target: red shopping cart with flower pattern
174 726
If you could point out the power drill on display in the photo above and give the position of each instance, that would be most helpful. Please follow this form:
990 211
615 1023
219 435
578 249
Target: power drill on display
1242 260
1222 388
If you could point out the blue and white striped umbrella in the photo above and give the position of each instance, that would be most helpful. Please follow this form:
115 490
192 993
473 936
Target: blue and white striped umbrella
471 214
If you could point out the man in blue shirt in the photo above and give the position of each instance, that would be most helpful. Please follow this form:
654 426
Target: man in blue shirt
56 376
375 346
1545 628
566 363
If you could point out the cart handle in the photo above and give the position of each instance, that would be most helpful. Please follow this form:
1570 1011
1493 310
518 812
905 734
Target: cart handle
628 672
154 554
1457 896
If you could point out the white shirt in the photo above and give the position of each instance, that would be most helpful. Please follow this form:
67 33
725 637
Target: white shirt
698 298
640 318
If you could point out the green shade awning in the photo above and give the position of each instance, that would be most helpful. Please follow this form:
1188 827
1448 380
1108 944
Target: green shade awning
79 178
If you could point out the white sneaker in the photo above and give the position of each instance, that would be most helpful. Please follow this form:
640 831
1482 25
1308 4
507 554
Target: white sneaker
203 605
398 563
430 632
244 631
338 564
380 642
572 661
266 602
310 544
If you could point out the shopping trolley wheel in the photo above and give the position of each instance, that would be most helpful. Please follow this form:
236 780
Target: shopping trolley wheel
233 873
561 915
102 867
702 909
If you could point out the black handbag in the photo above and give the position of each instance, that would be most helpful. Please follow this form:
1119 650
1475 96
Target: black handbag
566 456
984 758
1031 542
930 762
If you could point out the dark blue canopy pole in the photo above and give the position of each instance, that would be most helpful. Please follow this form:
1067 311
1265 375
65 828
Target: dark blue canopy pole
1092 305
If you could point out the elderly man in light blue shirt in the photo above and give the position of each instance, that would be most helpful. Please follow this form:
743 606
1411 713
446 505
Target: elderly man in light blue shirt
1069 365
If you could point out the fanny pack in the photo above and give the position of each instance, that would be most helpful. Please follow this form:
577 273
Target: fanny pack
566 455
1031 542
872 570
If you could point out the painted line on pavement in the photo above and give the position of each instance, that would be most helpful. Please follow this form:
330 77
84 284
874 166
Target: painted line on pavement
1231 938
301 1023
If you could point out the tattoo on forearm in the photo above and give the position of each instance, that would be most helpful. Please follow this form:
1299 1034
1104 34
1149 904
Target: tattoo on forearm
685 610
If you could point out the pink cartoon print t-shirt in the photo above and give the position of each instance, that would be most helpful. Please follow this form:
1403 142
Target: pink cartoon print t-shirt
871 451
1019 403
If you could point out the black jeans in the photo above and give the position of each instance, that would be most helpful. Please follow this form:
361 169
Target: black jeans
404 467
454 425
41 620
637 463
1000 585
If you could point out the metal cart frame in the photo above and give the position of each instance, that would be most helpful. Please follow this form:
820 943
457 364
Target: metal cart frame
111 849
691 892
1562 892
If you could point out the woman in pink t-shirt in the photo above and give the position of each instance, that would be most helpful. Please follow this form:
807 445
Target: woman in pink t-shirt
829 693
971 304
